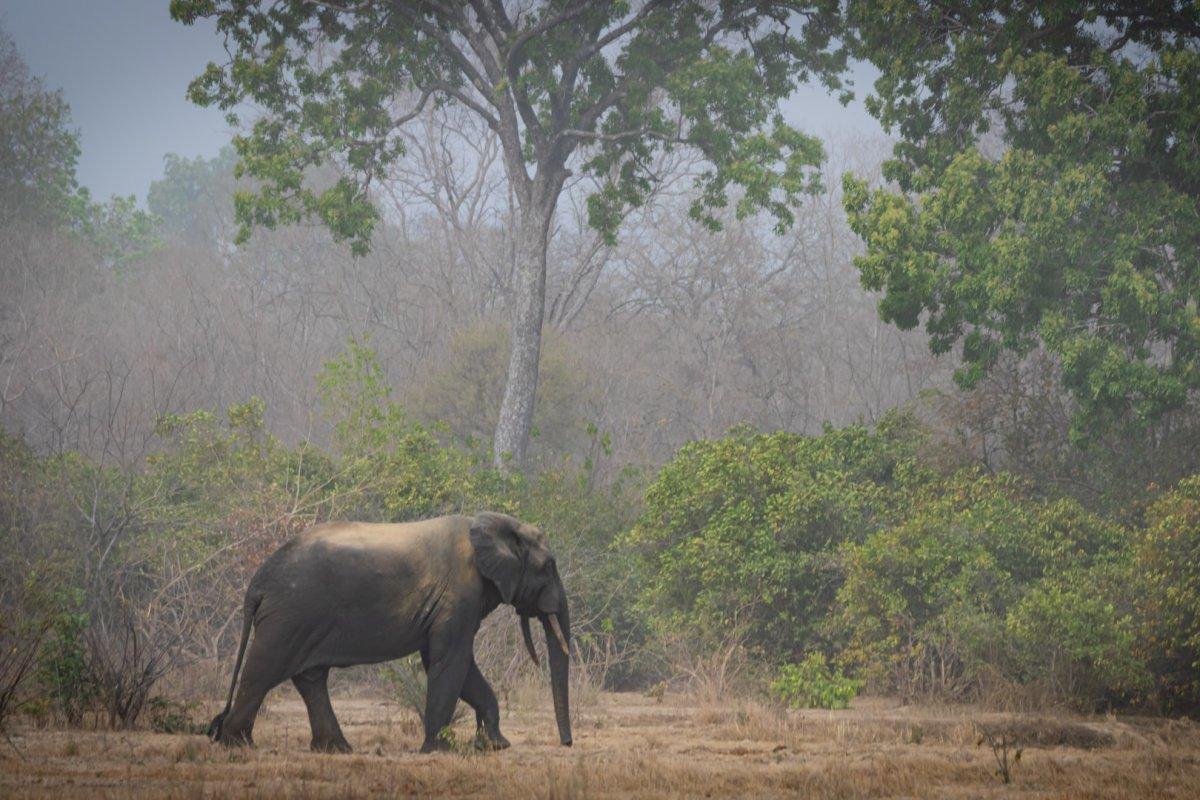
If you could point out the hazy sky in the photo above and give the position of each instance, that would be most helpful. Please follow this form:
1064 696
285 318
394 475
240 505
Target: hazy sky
124 66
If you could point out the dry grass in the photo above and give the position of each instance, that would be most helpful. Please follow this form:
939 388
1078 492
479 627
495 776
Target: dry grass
628 746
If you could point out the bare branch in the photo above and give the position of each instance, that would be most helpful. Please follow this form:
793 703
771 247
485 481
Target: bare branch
622 135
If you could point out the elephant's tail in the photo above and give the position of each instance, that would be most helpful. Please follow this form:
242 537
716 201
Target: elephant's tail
248 612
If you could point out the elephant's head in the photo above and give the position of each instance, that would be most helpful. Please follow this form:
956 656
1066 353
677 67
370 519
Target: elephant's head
517 560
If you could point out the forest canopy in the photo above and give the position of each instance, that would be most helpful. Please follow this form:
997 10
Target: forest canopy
1043 192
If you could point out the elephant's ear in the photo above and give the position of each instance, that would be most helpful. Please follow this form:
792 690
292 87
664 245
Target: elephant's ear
498 555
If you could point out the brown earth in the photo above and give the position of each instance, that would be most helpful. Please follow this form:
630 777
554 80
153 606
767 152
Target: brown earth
627 745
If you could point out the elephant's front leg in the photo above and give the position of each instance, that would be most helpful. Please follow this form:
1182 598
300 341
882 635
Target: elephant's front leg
446 672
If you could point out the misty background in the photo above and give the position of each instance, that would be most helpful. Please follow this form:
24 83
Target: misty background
672 334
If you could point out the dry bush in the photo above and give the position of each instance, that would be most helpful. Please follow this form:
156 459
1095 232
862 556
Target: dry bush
127 658
994 691
19 644
1046 732
708 669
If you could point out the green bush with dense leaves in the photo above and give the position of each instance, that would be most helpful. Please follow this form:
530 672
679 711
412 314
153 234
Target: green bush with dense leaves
1166 591
748 529
923 582
64 674
814 684
928 601
1075 633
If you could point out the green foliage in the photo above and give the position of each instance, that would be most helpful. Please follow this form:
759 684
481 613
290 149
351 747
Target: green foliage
617 85
222 480
813 684
119 231
39 149
64 672
1076 633
922 583
390 468
193 199
585 522
39 152
1167 594
748 528
964 586
406 678
1044 192
23 629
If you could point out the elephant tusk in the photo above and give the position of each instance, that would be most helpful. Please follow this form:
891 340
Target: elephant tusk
562 640
529 640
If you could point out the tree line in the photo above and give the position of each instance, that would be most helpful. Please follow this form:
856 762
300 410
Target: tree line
929 415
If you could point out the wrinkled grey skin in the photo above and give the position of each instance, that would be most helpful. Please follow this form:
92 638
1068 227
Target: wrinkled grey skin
356 593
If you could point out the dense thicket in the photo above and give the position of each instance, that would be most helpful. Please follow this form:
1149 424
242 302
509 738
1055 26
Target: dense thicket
921 578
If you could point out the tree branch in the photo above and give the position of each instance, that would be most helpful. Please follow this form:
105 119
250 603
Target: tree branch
630 134
451 49
610 37
458 95
514 49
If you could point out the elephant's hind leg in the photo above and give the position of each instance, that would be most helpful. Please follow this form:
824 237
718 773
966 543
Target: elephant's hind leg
260 675
313 685
479 696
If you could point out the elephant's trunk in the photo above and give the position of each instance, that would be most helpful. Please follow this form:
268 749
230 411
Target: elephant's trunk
560 669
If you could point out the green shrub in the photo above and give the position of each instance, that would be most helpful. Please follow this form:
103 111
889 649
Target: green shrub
406 680
1166 591
584 523
1075 633
64 672
812 684
958 592
748 528
390 468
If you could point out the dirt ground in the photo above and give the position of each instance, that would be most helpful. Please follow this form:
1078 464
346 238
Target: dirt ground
627 745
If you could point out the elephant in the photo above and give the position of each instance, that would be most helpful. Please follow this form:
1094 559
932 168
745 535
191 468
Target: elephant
344 593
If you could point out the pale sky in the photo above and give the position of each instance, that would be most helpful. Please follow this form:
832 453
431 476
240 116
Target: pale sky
124 66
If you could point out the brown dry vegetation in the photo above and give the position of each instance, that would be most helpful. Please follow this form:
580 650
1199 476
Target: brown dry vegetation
627 745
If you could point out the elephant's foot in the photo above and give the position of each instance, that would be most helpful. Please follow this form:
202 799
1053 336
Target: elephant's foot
490 740
233 739
331 744
439 745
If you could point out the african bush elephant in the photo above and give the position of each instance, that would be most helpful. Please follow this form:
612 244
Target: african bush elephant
345 593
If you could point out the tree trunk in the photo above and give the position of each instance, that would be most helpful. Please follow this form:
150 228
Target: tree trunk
525 335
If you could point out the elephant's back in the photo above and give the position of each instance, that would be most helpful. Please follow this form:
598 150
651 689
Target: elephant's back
385 538
343 558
